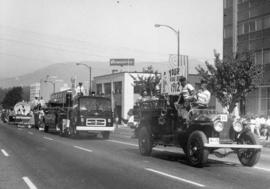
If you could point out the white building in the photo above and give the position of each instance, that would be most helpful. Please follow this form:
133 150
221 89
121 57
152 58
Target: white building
34 90
120 88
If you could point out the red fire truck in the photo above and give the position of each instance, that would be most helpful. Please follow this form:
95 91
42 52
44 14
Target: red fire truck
71 115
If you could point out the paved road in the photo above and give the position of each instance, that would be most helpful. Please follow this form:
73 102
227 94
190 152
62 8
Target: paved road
33 159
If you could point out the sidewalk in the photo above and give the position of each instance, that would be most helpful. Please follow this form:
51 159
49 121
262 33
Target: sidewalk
125 132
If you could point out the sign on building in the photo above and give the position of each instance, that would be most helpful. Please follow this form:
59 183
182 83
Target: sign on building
170 78
122 62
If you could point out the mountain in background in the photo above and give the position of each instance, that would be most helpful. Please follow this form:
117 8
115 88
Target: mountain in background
64 72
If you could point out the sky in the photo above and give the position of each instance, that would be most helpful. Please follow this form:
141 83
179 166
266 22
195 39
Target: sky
37 33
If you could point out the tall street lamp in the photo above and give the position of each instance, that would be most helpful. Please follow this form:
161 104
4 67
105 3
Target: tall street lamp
89 67
178 39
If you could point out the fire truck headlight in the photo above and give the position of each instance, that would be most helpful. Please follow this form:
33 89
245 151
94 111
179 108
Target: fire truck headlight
237 126
82 119
218 126
109 120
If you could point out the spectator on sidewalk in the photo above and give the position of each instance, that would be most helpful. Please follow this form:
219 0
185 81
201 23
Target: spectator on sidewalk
267 127
257 126
252 123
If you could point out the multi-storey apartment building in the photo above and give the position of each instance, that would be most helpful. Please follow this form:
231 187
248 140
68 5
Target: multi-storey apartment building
247 27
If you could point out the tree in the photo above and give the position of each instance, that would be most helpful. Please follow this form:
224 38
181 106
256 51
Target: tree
231 79
26 93
13 96
3 93
148 84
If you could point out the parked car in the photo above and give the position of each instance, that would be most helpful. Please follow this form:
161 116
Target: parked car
204 132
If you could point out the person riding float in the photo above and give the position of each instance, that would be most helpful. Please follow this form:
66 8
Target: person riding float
188 98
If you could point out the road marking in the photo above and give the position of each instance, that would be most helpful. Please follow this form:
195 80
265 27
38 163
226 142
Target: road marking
126 143
261 168
29 183
48 138
30 133
81 148
175 177
4 152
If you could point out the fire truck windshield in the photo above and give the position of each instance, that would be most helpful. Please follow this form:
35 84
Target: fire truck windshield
95 104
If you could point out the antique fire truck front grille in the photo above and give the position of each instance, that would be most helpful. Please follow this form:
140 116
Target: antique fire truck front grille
95 122
225 134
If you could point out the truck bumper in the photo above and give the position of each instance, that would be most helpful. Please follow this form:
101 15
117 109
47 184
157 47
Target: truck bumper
239 146
84 128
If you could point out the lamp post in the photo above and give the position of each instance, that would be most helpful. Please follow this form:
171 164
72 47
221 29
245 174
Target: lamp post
178 39
89 67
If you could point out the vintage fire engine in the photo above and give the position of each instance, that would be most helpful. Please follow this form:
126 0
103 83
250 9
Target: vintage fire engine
71 115
204 132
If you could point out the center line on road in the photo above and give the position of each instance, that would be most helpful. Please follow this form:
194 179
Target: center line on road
175 177
4 152
261 168
30 133
81 148
48 138
29 183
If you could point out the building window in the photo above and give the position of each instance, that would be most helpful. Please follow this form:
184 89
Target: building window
240 29
266 56
258 57
258 24
246 27
227 3
107 88
266 22
265 101
242 1
117 87
99 89
252 26
227 32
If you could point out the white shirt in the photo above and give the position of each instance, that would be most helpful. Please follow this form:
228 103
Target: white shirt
203 97
186 90
80 90
42 102
262 120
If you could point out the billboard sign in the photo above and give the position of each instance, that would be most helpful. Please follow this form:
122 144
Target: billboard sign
170 78
122 62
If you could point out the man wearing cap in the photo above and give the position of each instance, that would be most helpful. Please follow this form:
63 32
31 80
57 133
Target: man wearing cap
203 96
186 95
187 92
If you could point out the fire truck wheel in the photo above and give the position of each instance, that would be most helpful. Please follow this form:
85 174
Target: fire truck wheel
248 157
196 153
105 134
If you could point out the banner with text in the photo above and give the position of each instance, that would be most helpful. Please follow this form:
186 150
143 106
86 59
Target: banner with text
170 78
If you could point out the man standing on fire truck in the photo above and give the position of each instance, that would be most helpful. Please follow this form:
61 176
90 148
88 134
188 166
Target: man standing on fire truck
186 95
80 89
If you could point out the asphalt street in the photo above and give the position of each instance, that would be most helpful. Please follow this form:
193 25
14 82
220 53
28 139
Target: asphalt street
33 159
